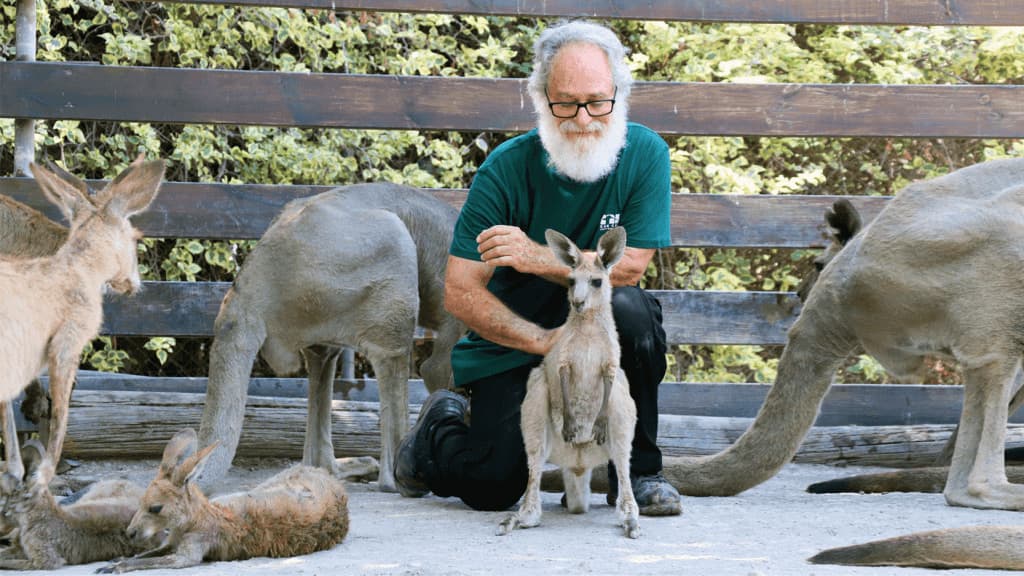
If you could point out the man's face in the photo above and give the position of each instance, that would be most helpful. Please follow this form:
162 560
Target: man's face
584 148
580 73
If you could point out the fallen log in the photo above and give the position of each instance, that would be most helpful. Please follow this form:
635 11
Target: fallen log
132 424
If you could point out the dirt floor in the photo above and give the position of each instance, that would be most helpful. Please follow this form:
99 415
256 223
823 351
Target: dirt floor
769 530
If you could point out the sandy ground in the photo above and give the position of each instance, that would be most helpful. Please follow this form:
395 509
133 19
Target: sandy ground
769 530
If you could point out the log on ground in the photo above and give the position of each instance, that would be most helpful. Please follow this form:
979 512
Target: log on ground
129 424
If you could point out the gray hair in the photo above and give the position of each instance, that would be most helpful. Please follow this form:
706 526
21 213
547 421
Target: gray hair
556 37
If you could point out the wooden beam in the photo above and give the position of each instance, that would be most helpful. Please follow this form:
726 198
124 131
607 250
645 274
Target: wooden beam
690 316
56 90
844 404
244 211
924 12
138 424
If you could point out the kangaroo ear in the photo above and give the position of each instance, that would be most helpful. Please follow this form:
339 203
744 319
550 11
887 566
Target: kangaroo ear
611 247
178 450
844 220
134 188
192 467
70 198
563 248
39 468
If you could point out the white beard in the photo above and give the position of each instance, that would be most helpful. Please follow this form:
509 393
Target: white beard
588 158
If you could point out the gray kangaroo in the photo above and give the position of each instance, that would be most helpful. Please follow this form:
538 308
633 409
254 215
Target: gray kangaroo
355 266
578 412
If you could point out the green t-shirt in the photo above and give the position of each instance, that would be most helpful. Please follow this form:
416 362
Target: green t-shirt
516 186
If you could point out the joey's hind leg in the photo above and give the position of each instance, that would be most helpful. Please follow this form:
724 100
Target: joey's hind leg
577 490
534 423
321 364
622 422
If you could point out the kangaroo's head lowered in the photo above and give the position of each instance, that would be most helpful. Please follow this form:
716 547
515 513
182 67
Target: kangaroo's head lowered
844 222
589 285
171 499
100 230
30 491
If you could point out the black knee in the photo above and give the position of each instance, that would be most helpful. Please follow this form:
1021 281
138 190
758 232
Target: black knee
497 487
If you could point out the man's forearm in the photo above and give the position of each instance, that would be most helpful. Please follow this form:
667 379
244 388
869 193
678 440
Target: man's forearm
489 317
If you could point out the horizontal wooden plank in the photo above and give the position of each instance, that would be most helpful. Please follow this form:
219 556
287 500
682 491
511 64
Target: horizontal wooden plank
690 316
137 425
50 90
243 211
844 405
924 12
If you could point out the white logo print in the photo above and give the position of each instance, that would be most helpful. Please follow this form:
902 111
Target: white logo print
609 221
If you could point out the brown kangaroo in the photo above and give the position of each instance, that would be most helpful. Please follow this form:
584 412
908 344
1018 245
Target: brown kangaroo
46 535
53 305
578 412
355 266
297 511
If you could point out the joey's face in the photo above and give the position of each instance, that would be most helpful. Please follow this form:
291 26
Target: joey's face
163 513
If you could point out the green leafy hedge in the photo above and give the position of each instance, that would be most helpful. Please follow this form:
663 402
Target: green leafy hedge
186 35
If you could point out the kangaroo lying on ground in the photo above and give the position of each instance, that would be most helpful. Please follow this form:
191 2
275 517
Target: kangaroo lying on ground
52 305
46 535
355 266
578 412
933 274
297 511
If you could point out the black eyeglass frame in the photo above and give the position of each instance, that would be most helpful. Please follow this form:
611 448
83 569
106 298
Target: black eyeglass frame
578 105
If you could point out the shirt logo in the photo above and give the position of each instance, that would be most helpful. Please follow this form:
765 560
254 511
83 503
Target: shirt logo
609 221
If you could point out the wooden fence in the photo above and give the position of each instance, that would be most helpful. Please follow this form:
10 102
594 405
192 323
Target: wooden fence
65 90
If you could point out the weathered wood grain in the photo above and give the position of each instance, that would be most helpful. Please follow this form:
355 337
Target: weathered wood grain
925 12
138 424
57 90
244 211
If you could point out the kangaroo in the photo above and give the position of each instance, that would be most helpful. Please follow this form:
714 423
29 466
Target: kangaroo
912 283
53 305
26 232
47 535
298 511
992 547
578 412
358 265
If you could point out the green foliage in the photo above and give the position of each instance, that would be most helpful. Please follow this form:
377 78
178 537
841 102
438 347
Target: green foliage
208 36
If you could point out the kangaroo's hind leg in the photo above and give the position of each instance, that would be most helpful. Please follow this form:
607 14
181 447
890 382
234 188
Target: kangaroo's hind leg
621 425
534 423
321 364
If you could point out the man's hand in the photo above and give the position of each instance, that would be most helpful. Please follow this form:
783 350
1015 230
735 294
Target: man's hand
509 246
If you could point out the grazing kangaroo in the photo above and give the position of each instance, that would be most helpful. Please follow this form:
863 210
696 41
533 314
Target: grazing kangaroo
53 305
578 412
935 273
46 535
297 511
355 266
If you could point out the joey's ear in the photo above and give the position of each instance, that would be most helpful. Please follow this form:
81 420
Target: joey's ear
844 220
611 247
190 469
565 251
39 467
70 198
178 450
134 188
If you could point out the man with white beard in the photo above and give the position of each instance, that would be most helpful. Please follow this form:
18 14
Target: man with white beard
583 171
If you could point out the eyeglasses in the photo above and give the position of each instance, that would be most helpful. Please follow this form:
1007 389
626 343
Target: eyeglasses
596 108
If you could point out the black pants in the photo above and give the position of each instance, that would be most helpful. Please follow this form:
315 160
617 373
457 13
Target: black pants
484 463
